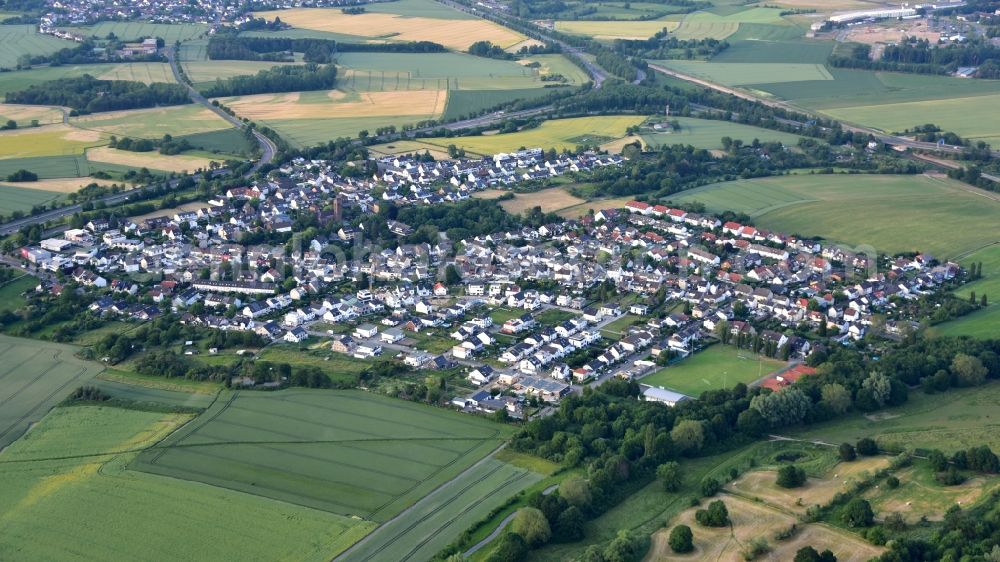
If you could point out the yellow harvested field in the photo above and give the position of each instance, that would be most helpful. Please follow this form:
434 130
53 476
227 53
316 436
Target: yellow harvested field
153 123
817 491
54 140
456 34
338 104
60 185
616 29
25 114
550 200
751 521
152 160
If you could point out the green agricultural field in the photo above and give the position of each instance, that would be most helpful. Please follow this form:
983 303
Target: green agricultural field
34 377
193 50
418 9
53 140
206 72
177 120
347 452
464 103
23 198
47 167
155 397
739 73
956 419
772 52
443 515
983 323
719 366
225 141
707 133
146 72
296 33
120 374
94 500
556 133
19 40
132 30
892 214
608 30
17 80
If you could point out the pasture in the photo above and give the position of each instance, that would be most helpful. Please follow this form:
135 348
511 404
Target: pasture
708 133
957 419
719 366
152 160
35 377
54 140
132 30
983 323
443 515
19 40
555 133
23 115
177 120
387 23
16 198
892 214
83 499
347 452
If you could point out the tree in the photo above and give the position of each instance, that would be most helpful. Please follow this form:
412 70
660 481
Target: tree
809 554
715 516
969 370
510 548
681 539
569 524
670 475
835 397
451 276
786 407
938 461
791 476
847 452
879 387
858 513
688 435
531 524
576 492
866 447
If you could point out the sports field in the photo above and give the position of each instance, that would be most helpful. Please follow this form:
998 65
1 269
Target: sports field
132 30
54 140
982 323
449 28
346 452
153 123
34 377
152 160
708 133
957 419
442 516
719 366
892 214
23 115
93 500
555 133
18 40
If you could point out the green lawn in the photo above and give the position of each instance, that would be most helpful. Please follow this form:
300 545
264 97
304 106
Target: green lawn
956 419
719 366
54 508
615 330
347 452
35 377
891 214
501 315
554 316
708 133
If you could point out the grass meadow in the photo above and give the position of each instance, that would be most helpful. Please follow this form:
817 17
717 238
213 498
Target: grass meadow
18 40
708 133
893 214
92 499
35 376
957 419
24 115
983 323
345 452
719 366
555 133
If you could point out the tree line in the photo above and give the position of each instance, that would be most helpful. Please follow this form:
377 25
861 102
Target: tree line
276 79
231 47
86 94
166 145
919 56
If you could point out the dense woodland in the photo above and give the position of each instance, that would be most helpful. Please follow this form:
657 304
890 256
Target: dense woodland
276 79
921 57
86 94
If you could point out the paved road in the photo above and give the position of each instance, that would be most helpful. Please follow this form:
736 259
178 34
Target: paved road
267 146
891 140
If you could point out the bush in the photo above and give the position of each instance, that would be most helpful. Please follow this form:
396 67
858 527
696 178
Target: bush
791 476
950 477
892 482
710 487
510 548
755 548
847 452
681 539
715 516
867 447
